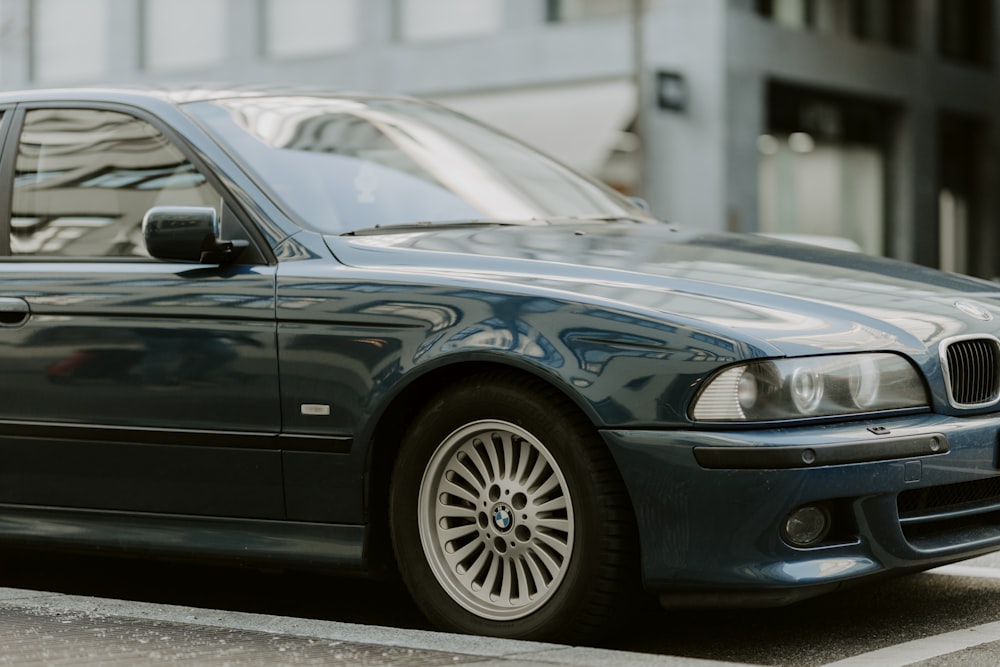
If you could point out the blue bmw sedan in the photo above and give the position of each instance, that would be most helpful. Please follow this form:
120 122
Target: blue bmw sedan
366 334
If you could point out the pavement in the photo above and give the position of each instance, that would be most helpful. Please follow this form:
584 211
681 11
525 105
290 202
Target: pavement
40 628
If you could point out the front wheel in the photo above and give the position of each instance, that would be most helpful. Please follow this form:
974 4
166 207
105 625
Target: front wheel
508 516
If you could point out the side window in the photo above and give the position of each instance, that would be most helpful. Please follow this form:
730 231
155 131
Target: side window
84 179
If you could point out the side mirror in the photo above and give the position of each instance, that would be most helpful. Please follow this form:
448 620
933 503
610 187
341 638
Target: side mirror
187 234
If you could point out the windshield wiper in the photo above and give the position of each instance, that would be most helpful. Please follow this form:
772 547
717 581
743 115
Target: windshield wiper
424 226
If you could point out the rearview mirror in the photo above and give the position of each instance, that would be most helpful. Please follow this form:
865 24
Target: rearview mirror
187 234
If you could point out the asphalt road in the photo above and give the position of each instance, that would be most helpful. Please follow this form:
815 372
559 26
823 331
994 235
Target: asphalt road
882 616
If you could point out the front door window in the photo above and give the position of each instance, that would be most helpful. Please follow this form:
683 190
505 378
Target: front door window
84 178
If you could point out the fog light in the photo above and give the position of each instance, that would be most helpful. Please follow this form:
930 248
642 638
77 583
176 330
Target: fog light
806 526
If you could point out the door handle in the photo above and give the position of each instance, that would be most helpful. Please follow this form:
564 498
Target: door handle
13 312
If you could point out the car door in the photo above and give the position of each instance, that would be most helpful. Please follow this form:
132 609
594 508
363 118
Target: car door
127 383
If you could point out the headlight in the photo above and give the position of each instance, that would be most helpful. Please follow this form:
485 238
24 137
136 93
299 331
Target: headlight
810 387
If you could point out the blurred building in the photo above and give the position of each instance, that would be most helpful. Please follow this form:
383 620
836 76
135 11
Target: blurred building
872 120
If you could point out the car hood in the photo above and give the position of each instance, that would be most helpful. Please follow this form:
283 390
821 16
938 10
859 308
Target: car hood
777 296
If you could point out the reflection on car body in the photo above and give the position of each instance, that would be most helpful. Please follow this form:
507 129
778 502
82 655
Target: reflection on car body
359 333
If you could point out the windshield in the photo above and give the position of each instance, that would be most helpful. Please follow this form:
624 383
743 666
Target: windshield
342 165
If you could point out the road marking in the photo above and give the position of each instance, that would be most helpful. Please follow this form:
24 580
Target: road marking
927 648
967 571
924 649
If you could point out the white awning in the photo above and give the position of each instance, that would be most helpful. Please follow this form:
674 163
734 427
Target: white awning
578 124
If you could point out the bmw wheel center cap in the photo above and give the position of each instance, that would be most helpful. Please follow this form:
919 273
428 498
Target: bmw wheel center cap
503 517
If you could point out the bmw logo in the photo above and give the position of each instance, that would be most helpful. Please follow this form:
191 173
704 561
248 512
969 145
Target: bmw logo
503 518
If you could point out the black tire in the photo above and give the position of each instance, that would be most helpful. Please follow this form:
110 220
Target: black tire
509 518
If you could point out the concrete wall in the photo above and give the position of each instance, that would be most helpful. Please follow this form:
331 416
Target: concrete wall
686 150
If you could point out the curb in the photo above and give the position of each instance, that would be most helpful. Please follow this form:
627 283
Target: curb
440 647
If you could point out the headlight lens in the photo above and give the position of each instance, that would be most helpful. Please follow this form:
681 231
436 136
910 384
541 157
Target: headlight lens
810 387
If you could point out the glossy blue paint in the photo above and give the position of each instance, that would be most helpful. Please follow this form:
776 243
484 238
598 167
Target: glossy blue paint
693 299
141 345
261 402
126 329
723 531
263 543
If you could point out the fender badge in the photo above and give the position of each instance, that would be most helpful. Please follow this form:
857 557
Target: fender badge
974 310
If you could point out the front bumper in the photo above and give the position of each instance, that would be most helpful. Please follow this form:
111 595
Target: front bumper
710 505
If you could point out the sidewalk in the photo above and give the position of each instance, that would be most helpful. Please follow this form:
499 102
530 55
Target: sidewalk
38 628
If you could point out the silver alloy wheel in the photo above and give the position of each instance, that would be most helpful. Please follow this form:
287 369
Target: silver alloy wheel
496 520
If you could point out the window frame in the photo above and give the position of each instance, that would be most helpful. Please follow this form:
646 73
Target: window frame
145 57
556 13
260 252
266 37
403 35
10 116
34 70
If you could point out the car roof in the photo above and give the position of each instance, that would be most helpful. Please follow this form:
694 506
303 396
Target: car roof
176 94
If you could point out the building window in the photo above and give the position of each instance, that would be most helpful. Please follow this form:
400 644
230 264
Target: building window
183 35
965 30
800 14
61 50
575 10
304 28
823 166
433 20
888 22
963 233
